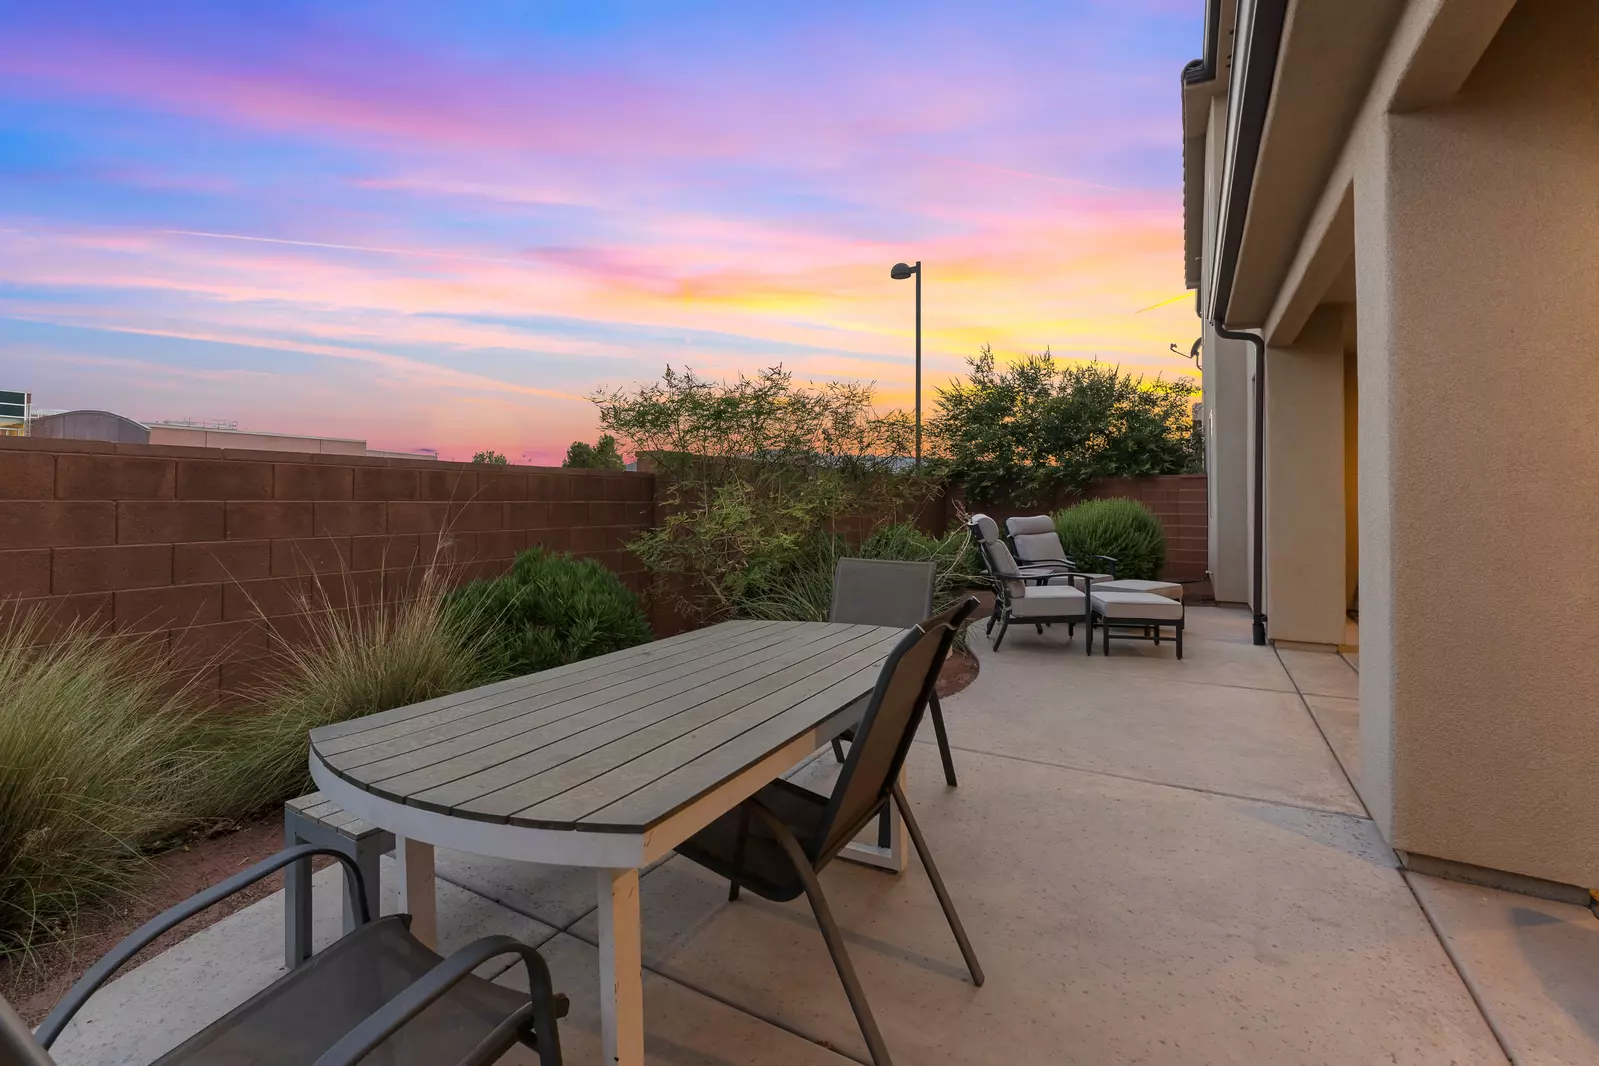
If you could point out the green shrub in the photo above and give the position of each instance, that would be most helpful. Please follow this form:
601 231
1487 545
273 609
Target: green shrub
339 664
548 611
94 766
1125 530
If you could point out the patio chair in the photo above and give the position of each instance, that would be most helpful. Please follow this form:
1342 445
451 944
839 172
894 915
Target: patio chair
1039 605
777 841
885 592
985 531
377 989
1037 543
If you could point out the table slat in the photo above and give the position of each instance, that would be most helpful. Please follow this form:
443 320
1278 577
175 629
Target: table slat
547 773
457 736
599 664
576 806
492 767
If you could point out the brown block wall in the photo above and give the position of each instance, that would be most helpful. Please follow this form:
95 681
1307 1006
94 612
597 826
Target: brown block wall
197 545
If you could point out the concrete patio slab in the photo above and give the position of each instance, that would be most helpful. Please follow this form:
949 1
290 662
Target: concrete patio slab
1339 720
1207 660
1218 623
681 1026
1119 922
1533 964
151 1009
1318 673
1038 704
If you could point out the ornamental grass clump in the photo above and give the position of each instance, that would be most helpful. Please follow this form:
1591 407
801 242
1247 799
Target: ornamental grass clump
1125 530
96 764
338 663
549 610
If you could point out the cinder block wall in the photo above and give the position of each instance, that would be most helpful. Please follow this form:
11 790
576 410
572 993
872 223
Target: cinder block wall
198 544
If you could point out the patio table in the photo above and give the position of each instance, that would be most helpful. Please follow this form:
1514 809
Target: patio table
607 763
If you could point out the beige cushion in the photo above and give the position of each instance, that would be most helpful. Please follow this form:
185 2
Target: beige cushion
987 528
1048 601
1136 605
1169 589
1038 547
1034 524
1078 581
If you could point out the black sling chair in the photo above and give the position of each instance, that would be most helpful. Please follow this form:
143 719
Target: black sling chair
376 994
777 841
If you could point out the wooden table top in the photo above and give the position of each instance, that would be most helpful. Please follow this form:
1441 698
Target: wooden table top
617 743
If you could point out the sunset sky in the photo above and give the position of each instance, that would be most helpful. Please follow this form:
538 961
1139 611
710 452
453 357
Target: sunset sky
444 225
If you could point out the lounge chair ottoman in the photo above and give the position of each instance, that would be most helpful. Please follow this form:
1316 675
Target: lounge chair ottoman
1142 611
1169 589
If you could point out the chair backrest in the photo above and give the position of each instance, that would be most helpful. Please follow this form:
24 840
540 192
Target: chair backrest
17 1045
884 736
983 528
882 592
1035 539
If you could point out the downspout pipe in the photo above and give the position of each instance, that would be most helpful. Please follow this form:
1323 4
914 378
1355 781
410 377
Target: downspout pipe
1257 600
1253 88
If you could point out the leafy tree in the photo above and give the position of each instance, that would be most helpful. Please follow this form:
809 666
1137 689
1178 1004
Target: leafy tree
491 458
1039 430
603 455
756 471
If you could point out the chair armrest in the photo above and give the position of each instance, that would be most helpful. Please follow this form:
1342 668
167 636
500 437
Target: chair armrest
18 1047
147 933
543 1004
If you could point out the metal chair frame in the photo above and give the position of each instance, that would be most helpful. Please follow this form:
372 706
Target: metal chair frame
534 1025
834 831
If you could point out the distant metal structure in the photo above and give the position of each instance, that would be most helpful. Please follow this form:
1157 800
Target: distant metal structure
90 425
199 423
16 413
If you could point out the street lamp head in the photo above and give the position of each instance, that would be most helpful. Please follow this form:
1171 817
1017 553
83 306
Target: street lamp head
902 271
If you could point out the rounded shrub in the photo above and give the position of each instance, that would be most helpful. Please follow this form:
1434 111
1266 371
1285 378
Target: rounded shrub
549 610
1125 530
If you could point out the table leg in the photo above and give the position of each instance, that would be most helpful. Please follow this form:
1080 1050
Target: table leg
621 968
885 855
418 896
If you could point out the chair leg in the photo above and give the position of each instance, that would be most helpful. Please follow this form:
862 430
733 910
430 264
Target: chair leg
992 617
832 936
838 749
1088 645
944 901
937 713
1179 639
1105 629
1001 638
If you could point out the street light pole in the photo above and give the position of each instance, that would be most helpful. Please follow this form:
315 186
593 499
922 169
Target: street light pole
900 272
918 366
